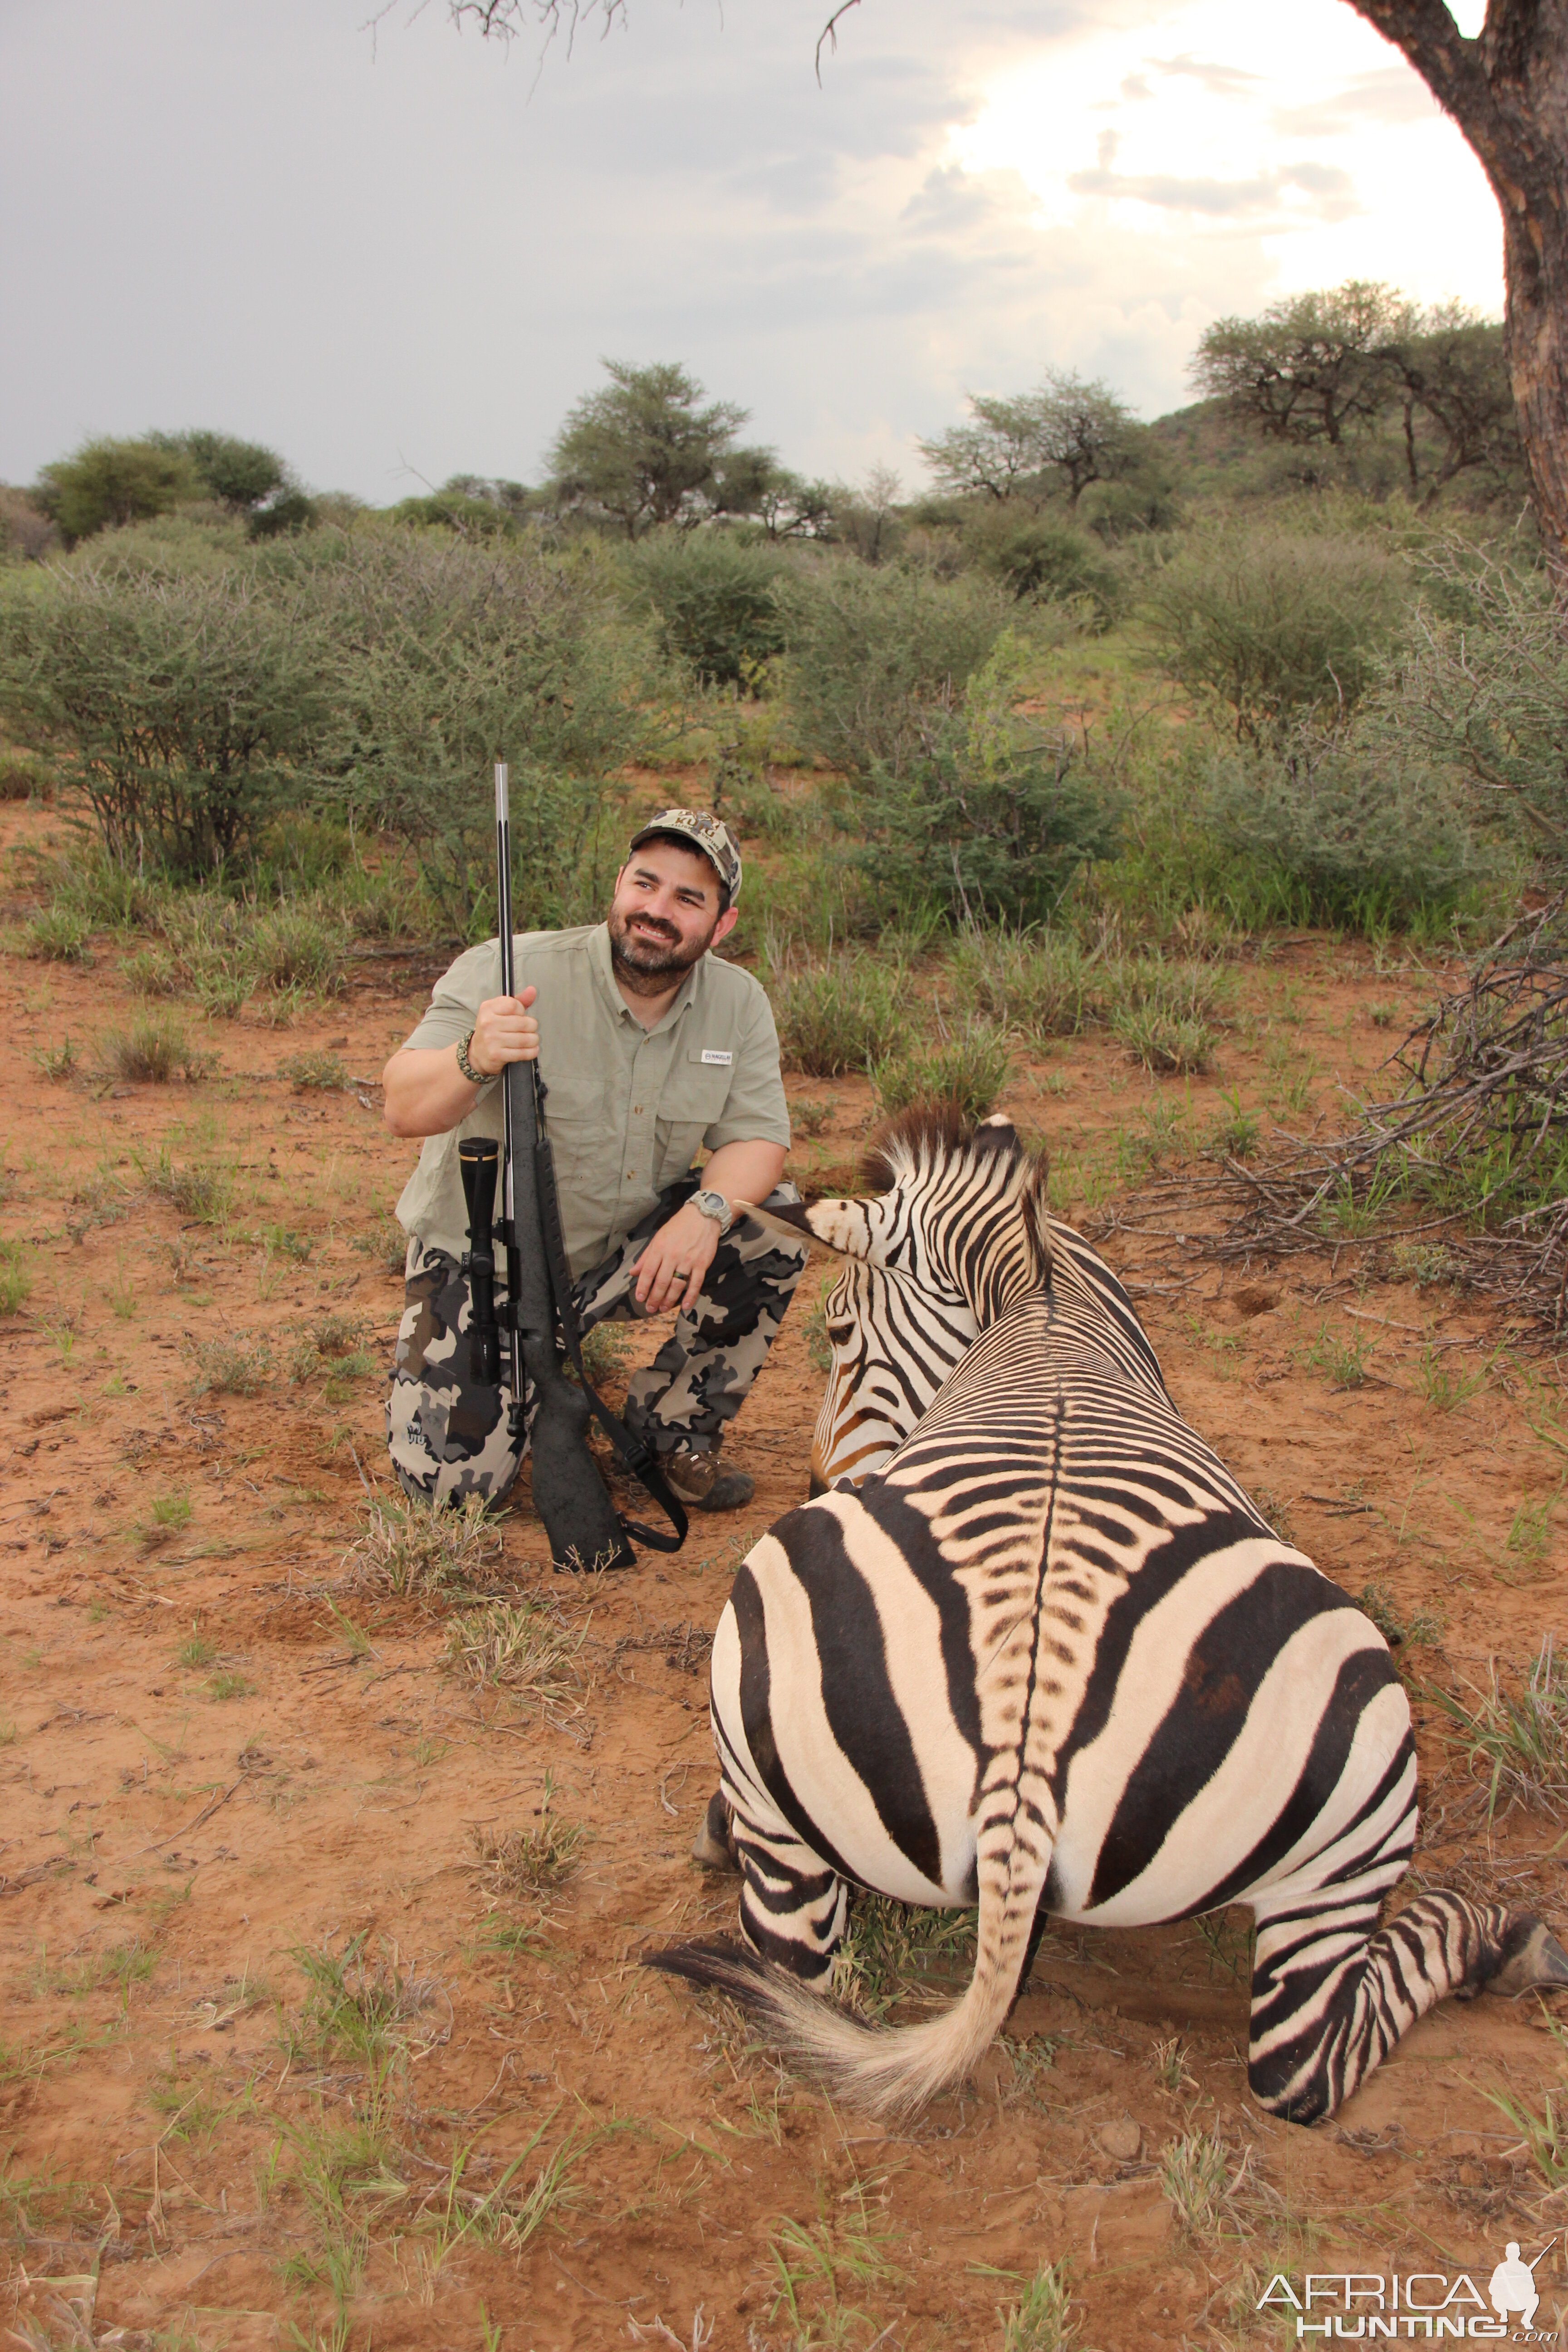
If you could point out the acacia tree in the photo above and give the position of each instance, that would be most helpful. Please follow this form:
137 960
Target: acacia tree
643 451
1080 432
1317 367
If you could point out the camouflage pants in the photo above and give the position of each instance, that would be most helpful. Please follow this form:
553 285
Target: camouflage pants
449 1435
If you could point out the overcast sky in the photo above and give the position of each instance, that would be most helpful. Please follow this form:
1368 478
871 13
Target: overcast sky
401 253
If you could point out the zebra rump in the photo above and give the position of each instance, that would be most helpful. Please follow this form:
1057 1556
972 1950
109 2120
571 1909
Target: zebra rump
1051 1660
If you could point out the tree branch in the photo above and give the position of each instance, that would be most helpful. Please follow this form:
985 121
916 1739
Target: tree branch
1453 68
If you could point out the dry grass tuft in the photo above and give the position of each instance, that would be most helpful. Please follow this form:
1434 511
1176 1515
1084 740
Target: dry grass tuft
422 1550
522 1646
150 1049
528 1862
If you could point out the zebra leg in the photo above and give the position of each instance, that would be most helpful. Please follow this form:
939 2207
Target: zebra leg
1333 1992
792 1906
713 1847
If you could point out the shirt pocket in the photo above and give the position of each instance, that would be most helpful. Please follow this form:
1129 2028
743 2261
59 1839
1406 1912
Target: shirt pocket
578 1122
693 1100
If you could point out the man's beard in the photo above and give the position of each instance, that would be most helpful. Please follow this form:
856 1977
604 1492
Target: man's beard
649 967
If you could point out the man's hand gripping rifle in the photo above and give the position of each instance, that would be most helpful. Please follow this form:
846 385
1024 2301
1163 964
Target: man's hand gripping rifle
585 1530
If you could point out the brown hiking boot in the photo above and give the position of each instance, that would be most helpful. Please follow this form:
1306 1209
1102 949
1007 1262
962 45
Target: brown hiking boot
704 1485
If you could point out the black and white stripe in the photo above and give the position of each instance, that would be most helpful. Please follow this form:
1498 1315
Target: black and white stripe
1050 1658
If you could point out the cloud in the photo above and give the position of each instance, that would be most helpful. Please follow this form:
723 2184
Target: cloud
1390 95
1220 81
1219 199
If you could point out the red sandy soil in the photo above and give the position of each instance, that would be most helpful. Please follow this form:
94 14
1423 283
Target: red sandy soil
175 1835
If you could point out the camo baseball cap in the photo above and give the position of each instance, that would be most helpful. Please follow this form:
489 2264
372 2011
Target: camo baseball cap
708 834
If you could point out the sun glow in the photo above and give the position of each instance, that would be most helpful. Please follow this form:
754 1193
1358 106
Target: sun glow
1296 130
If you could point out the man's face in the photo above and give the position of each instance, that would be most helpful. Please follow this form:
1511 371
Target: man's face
665 914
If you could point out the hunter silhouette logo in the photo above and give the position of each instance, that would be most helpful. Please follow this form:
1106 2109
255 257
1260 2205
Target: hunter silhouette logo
1424 2305
1511 2286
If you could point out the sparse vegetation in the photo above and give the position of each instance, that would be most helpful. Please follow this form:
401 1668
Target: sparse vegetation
1516 1740
410 1545
524 1862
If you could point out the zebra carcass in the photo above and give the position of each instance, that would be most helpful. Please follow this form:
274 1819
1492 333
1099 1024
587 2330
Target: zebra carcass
1049 1658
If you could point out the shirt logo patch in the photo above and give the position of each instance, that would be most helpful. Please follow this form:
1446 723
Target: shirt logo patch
713 1053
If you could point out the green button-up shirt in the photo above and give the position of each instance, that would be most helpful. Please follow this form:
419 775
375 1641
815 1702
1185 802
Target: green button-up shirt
626 1108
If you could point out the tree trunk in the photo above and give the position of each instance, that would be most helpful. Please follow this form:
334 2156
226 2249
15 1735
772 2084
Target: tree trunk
1508 91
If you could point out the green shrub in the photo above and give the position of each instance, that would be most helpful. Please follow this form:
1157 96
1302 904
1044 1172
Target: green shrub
848 1014
1480 696
874 654
1353 833
444 652
987 821
1037 982
180 705
1037 557
1269 623
713 597
968 1071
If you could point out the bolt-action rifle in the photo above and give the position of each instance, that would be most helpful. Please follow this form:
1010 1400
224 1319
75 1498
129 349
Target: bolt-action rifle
538 1317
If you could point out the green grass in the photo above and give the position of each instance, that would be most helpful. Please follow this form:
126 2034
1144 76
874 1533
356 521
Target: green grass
1343 1359
226 1684
387 1244
15 1280
516 1862
1041 2320
1194 2175
1516 1740
201 1190
847 1016
58 935
889 1947
818 2265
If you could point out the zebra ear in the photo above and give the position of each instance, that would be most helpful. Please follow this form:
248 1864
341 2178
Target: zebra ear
1036 1216
789 1222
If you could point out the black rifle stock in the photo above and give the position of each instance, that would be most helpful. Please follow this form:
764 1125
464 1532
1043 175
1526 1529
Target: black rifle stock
569 1496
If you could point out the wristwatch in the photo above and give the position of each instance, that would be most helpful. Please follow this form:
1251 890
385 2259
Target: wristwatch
475 1077
712 1203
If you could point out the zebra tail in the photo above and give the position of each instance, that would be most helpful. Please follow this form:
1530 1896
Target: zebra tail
889 2071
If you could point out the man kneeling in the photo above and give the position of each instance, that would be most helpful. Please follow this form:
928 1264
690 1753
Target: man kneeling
649 1047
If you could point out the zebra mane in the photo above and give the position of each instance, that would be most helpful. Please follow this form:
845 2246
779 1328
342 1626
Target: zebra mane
938 1129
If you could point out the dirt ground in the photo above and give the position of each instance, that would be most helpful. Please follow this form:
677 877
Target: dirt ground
242 1783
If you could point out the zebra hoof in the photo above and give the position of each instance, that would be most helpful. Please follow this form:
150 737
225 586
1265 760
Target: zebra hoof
1533 1958
713 1846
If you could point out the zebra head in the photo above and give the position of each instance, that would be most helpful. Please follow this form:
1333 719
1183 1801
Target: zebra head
956 1228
